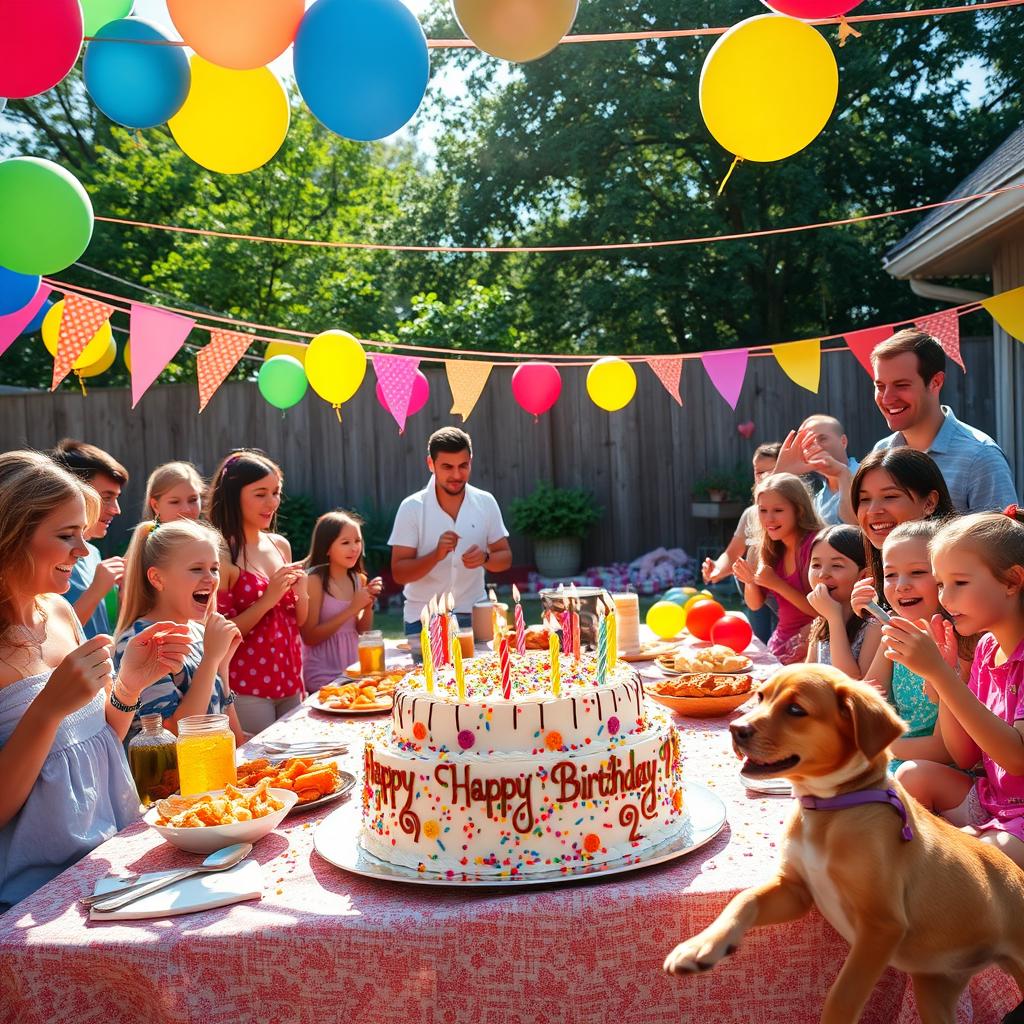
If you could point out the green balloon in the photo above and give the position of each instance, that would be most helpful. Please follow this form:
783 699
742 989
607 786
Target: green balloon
45 216
282 381
98 13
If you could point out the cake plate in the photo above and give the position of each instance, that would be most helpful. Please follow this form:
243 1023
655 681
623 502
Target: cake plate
337 840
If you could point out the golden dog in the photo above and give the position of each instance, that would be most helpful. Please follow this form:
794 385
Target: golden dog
916 893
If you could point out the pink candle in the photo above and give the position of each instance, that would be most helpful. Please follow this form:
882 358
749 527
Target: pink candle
503 657
436 634
520 625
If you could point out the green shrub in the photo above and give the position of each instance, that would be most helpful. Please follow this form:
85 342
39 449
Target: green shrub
553 512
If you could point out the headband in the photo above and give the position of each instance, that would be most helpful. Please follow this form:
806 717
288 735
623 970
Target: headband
1011 511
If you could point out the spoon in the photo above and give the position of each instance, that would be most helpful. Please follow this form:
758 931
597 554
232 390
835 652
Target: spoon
221 860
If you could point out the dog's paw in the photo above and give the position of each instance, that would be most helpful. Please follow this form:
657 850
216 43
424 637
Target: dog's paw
698 954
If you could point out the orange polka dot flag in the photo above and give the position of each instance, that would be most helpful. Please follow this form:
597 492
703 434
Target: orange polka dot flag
217 359
82 318
668 369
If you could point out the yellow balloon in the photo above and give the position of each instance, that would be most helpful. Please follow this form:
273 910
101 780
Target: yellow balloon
335 366
665 619
92 353
287 348
611 383
104 363
232 121
126 355
517 30
768 87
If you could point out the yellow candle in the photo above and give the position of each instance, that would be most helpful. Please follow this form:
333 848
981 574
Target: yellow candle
460 676
613 634
494 618
556 668
428 660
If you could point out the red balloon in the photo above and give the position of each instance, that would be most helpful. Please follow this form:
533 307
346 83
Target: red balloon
702 616
39 44
732 631
418 398
811 10
536 386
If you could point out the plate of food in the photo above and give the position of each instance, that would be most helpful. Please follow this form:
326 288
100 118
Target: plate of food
314 782
385 681
707 695
651 651
716 659
353 699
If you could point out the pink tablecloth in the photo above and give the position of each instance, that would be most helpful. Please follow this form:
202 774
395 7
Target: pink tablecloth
324 946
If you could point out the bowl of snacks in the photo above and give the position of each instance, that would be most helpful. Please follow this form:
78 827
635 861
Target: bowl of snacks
210 821
313 782
702 695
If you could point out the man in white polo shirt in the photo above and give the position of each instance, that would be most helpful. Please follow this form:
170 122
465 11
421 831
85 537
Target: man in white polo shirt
447 536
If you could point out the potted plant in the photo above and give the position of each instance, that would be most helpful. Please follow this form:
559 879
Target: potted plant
556 519
720 495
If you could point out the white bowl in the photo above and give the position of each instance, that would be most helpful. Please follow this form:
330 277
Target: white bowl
208 838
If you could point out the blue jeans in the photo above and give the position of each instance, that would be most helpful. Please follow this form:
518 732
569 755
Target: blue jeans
464 619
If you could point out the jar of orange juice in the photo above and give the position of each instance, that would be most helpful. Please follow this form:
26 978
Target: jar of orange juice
206 754
371 651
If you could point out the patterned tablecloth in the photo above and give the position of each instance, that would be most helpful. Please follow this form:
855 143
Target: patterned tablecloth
326 946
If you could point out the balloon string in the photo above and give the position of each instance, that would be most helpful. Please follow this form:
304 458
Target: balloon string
846 30
732 167
337 412
81 384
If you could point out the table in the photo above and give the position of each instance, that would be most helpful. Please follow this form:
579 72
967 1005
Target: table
324 946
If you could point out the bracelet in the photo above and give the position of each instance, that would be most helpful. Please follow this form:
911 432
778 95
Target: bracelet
487 557
228 701
119 705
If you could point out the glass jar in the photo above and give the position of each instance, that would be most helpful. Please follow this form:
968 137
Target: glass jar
371 651
206 754
153 758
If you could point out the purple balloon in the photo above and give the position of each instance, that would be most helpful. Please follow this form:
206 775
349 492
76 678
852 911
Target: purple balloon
536 386
418 398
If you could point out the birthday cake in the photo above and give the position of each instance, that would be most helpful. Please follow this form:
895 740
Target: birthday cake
538 781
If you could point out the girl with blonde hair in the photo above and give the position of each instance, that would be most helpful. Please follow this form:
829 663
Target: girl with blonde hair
173 491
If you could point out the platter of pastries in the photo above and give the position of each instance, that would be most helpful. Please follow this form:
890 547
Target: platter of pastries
716 659
702 695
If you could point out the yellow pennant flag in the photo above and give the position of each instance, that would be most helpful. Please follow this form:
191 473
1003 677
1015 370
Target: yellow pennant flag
466 378
1007 309
801 360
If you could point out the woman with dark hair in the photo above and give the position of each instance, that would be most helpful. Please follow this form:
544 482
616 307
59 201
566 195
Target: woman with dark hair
893 486
260 588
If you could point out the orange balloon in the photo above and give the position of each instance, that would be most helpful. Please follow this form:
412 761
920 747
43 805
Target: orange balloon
238 34
516 30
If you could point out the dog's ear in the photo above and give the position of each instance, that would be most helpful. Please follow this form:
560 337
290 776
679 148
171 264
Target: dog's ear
875 724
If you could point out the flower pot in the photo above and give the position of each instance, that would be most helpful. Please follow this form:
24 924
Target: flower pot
716 494
559 558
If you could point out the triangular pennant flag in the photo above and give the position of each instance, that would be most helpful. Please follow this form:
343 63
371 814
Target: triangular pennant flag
862 344
1007 309
466 378
396 376
156 336
81 319
12 324
801 361
727 370
217 359
944 326
668 369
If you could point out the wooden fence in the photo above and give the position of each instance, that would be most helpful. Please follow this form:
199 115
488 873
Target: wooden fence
641 463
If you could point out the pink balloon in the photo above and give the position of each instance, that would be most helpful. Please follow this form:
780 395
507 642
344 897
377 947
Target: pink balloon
536 386
811 10
418 398
39 44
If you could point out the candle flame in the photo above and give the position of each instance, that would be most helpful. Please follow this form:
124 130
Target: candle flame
432 606
449 603
515 593
425 618
492 596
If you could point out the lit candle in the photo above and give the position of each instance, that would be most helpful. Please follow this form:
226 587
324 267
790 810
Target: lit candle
555 652
428 667
447 606
574 623
602 645
494 618
460 675
613 630
520 626
503 659
435 632
566 618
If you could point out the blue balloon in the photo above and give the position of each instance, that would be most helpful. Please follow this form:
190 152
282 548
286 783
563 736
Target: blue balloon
361 65
139 85
36 322
16 290
676 596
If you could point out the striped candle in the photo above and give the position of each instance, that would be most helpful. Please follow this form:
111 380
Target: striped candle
435 633
520 625
602 646
503 659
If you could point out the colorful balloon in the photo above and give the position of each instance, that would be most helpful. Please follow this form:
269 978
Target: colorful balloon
361 66
46 216
665 619
536 386
92 353
700 617
126 355
732 631
239 34
611 383
140 84
676 595
39 43
282 381
335 366
294 349
811 10
102 364
36 323
418 398
101 12
768 87
232 121
16 290
516 30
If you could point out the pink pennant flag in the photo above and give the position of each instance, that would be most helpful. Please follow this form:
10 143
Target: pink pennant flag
217 359
81 319
862 344
12 324
396 376
945 326
668 369
727 370
156 336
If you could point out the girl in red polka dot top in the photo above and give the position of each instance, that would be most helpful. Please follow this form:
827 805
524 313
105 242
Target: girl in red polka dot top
260 588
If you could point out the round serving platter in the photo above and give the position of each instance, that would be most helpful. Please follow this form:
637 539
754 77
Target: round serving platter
337 840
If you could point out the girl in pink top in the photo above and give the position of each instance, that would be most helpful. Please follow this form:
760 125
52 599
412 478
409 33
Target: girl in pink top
978 561
260 588
787 525
340 598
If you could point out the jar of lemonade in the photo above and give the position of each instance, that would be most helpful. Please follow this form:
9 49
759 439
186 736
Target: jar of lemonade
153 758
371 651
206 753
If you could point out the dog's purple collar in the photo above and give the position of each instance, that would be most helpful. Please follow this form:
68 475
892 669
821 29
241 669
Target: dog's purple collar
861 796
